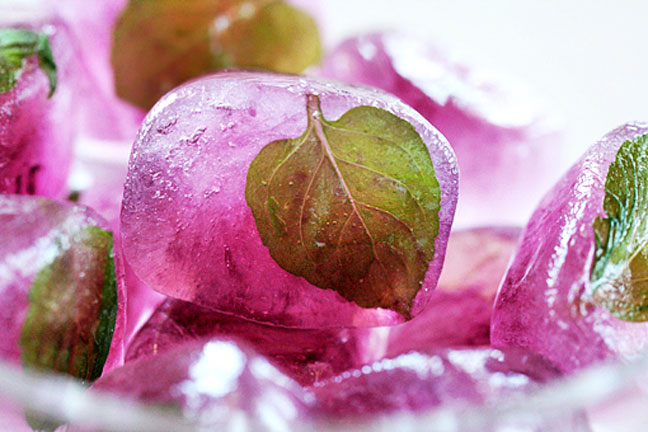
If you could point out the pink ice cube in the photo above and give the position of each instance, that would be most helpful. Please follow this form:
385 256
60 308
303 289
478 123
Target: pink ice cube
36 131
543 303
43 243
186 227
216 384
304 355
459 310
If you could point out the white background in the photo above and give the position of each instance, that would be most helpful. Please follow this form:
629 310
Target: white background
588 60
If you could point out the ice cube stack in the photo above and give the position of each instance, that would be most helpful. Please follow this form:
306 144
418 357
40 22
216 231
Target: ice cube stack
279 251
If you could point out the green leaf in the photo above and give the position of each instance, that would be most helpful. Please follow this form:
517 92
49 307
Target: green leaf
72 308
619 275
351 205
159 44
16 45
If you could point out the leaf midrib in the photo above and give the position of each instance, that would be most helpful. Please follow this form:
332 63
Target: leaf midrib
319 132
315 124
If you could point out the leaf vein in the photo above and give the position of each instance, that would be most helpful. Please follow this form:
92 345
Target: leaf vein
388 177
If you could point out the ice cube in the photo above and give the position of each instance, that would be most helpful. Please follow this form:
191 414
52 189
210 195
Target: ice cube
417 381
217 384
104 115
542 304
37 131
186 226
59 305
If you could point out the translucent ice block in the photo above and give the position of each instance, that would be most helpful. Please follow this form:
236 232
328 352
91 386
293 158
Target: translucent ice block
215 383
459 310
104 115
187 228
37 129
543 304
60 308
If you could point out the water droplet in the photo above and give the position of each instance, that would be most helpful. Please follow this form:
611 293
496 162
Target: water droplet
212 191
227 126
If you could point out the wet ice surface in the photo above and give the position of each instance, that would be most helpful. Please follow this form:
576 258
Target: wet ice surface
187 229
35 232
543 304
507 152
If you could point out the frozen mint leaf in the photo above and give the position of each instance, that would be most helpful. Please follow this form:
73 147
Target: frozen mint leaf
72 308
620 268
351 205
159 44
16 45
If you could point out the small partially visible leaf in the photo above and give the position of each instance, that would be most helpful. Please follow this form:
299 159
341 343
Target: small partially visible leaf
40 423
277 37
72 308
620 267
16 45
159 44
351 205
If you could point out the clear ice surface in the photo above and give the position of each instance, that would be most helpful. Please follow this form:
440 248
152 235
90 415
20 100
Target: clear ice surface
507 152
543 303
416 381
187 230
